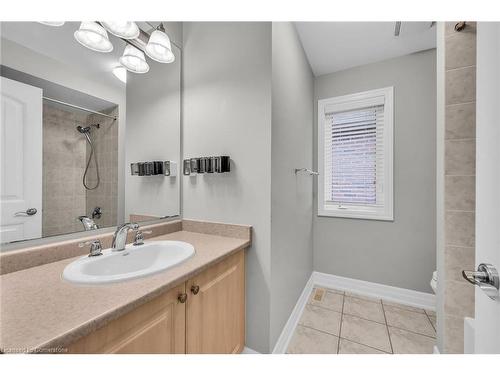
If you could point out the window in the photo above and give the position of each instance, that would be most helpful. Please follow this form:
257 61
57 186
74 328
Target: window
355 155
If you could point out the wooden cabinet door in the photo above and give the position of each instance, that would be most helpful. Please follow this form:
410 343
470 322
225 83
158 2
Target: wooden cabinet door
215 315
157 326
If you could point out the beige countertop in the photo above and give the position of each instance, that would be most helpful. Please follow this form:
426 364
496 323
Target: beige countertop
39 310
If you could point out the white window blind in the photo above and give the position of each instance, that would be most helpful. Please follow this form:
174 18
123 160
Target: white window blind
355 155
354 146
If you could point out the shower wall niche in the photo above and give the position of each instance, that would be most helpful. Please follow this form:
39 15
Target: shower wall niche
65 154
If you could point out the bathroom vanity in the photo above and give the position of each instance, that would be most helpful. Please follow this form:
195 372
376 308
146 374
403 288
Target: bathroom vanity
205 314
197 306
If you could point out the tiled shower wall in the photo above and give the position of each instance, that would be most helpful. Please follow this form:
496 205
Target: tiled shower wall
460 170
65 153
105 196
63 198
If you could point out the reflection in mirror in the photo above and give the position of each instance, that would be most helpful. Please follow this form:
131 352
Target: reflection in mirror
75 118
152 103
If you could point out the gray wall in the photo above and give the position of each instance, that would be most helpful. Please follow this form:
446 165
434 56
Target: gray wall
291 207
227 110
153 133
400 253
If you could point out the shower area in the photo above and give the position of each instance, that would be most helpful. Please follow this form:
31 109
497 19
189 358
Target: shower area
80 168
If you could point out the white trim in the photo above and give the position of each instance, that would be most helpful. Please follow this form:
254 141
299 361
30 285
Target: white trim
390 293
384 96
435 350
287 332
440 135
469 335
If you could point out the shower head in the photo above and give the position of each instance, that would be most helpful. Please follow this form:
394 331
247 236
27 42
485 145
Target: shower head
86 132
83 130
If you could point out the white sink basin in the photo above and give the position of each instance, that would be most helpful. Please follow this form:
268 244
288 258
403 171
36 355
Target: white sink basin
131 263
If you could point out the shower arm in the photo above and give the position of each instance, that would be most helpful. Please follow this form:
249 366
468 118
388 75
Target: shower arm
78 107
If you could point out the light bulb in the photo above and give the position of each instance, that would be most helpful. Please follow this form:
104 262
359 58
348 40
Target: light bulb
159 48
93 36
122 29
120 72
134 60
52 23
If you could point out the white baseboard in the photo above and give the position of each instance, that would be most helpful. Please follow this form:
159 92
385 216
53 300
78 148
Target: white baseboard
390 293
291 324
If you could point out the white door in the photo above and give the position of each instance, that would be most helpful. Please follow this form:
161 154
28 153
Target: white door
20 161
487 315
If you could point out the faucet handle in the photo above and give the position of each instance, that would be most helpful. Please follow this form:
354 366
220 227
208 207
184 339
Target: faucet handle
139 236
95 247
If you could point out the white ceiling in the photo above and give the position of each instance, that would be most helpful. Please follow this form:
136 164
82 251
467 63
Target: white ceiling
334 46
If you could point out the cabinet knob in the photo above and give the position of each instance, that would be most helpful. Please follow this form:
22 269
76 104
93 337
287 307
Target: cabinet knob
182 297
195 289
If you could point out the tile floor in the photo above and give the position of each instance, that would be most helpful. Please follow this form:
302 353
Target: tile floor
334 322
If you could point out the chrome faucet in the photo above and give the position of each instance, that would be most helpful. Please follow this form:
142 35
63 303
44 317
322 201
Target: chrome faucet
88 223
120 236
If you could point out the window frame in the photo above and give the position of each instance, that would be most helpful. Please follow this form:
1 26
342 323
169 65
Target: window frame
354 101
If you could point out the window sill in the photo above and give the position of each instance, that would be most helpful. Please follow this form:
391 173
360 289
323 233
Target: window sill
355 215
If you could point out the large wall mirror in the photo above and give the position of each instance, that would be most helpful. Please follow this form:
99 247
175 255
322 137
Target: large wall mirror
90 126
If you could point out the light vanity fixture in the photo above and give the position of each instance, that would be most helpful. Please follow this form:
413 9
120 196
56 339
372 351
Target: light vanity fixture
157 45
134 60
93 36
122 29
52 23
120 72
